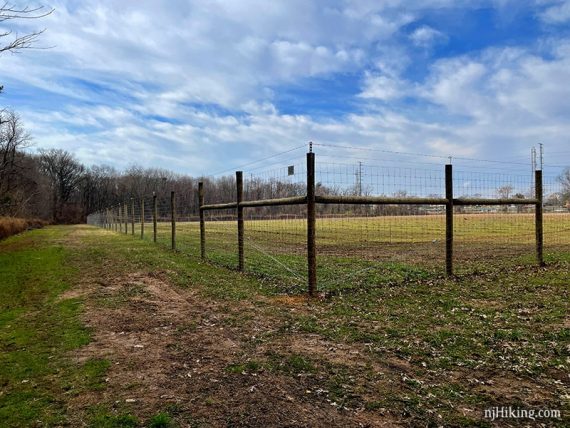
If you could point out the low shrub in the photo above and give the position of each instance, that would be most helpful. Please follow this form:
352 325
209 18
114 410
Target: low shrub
11 225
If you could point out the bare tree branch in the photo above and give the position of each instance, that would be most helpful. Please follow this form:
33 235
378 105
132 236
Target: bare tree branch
9 12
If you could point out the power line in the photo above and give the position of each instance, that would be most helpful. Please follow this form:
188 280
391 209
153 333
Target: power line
237 168
418 154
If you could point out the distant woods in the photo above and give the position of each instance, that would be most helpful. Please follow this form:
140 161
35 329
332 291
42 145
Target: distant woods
53 185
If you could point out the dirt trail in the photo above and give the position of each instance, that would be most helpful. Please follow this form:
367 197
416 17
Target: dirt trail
170 348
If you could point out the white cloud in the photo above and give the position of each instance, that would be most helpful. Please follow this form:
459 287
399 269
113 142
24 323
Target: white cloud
426 36
382 87
193 85
557 14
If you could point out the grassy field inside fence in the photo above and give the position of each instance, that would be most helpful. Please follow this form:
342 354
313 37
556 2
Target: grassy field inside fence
99 329
360 251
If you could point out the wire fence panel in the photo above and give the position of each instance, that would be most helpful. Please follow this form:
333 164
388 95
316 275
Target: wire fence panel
221 237
493 234
376 219
556 215
276 245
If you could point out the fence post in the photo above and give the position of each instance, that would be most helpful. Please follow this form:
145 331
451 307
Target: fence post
133 216
154 215
538 217
142 218
311 225
126 217
120 218
239 185
449 219
202 222
173 219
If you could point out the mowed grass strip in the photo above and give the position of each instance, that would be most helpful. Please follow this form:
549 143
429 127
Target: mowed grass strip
37 331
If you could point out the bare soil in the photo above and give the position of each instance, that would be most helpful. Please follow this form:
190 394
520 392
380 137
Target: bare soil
169 348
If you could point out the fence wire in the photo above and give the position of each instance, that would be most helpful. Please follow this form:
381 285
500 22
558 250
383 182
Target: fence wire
358 244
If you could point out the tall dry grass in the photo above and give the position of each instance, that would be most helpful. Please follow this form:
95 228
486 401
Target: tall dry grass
10 225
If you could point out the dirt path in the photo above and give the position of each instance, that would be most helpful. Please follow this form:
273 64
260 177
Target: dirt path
209 363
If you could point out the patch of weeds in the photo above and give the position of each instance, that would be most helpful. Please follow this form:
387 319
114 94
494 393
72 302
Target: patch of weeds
289 364
211 401
93 373
103 419
247 367
340 387
161 420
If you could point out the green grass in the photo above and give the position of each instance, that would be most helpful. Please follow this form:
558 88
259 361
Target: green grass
505 322
356 252
37 330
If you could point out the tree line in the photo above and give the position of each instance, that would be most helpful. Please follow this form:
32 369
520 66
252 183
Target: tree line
53 185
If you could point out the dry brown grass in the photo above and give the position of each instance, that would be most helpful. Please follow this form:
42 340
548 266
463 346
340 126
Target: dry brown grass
11 225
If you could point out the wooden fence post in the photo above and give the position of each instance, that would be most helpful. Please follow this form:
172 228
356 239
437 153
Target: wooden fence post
449 220
173 220
142 218
126 217
538 217
239 193
202 222
311 225
154 215
133 216
120 218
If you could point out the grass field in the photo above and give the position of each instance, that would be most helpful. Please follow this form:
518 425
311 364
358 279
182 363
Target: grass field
354 251
100 329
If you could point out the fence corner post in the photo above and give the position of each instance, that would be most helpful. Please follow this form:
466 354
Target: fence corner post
449 220
173 219
538 217
202 222
240 224
154 216
311 225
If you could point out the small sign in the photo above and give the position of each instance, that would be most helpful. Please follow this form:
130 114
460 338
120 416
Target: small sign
291 170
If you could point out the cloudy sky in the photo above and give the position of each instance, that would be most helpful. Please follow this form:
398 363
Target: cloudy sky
198 86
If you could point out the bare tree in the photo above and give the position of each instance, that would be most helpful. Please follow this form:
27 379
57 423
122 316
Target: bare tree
10 42
13 139
65 174
504 192
564 180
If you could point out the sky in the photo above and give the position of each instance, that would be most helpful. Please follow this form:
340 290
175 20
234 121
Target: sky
202 86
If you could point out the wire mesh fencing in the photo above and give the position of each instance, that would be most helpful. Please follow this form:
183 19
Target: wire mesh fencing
355 221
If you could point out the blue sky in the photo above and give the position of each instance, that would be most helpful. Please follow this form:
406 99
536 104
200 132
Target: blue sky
198 86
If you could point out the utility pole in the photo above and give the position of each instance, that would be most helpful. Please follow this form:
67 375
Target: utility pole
359 175
533 166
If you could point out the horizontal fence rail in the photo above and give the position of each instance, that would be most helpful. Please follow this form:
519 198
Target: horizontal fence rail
139 212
